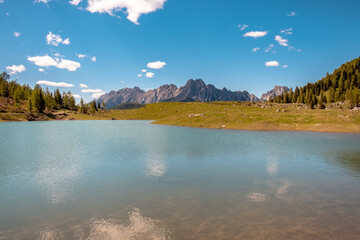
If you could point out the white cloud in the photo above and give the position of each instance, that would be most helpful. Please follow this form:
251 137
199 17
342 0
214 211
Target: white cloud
281 41
55 40
144 70
1 1
69 65
54 84
97 95
292 14
256 49
47 61
82 85
58 55
43 1
242 27
43 61
75 2
41 70
139 75
256 34
81 55
149 75
272 64
287 31
66 41
285 66
156 65
92 91
269 48
17 34
121 81
14 69
134 8
76 95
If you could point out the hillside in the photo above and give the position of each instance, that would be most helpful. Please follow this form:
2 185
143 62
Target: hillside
343 86
194 90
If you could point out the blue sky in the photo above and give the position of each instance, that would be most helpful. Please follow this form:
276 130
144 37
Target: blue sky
180 39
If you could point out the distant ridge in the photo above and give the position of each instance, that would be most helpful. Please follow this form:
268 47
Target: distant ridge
194 90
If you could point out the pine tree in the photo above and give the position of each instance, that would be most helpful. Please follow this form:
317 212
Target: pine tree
58 98
321 103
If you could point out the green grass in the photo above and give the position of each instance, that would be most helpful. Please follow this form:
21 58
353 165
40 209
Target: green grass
227 115
234 115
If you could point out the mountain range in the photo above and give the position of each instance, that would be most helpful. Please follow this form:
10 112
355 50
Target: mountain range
194 90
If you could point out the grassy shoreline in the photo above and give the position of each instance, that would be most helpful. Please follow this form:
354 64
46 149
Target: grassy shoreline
227 115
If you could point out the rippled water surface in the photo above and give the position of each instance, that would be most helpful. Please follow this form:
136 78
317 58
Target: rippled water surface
134 180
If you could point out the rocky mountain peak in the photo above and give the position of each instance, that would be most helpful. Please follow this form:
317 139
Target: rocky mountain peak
276 91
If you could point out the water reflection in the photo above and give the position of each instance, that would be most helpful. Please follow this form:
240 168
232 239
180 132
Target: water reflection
137 227
348 160
155 165
256 197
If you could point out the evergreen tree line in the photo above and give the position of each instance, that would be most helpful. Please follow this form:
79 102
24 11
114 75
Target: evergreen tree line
343 85
39 100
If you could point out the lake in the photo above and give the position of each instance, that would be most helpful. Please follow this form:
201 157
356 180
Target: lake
136 180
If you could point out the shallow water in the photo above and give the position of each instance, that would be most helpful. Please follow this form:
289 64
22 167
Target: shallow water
135 180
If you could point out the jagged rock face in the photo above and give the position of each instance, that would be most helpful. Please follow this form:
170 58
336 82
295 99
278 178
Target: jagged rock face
194 90
277 91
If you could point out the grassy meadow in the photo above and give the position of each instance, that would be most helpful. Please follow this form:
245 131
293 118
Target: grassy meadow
238 115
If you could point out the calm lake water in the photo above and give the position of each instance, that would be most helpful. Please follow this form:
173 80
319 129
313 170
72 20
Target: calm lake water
135 180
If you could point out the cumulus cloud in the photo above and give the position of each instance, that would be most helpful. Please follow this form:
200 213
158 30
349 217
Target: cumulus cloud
134 8
43 61
14 69
144 70
54 84
17 34
82 85
55 40
69 65
256 34
272 64
292 14
149 75
93 59
139 75
285 66
256 49
156 65
281 41
75 2
287 31
242 27
43 1
41 70
47 61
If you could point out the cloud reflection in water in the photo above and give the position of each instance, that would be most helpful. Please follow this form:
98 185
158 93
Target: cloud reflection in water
138 228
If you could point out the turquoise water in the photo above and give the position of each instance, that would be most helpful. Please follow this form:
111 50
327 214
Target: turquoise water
135 180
